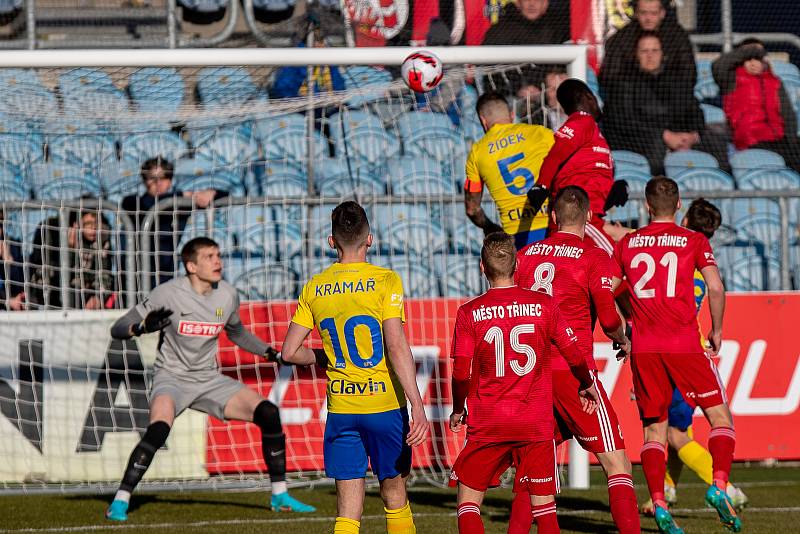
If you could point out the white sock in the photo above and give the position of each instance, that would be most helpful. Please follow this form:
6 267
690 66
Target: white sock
123 495
279 487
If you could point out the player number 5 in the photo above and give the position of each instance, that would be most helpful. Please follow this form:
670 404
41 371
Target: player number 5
494 336
668 260
510 176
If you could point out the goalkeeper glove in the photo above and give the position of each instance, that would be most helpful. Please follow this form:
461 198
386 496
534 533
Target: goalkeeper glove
273 355
617 196
156 320
537 195
490 228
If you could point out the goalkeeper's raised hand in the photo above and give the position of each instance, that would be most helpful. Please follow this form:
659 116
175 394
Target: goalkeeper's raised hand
537 195
156 320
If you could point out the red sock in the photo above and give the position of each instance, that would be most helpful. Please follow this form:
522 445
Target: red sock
545 517
654 467
721 442
521 519
469 519
622 500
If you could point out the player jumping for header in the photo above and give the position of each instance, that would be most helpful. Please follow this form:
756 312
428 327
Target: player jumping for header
358 310
504 336
659 262
581 156
186 373
580 278
506 160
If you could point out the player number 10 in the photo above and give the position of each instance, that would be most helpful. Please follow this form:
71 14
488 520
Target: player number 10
668 260
329 325
494 336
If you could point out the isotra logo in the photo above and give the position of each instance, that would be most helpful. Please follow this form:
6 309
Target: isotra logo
194 328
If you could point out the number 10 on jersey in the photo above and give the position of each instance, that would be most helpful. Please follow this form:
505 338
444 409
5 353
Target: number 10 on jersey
329 325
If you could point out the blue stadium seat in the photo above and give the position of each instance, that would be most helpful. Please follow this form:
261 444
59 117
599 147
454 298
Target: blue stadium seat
88 151
624 159
360 136
408 229
85 77
361 181
228 152
743 268
471 130
276 239
754 159
11 190
677 162
20 150
418 280
784 69
65 189
460 275
219 86
280 180
25 96
157 89
197 174
21 225
140 147
713 114
703 69
418 177
285 138
371 84
198 225
706 90
769 179
260 279
62 181
319 228
413 124
120 179
465 237
704 179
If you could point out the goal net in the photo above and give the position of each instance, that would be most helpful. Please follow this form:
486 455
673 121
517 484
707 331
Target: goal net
259 157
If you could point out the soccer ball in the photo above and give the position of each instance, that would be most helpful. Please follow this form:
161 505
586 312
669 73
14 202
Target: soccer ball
422 71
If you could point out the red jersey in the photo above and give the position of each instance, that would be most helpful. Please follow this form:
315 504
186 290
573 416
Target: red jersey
659 262
576 274
580 156
506 335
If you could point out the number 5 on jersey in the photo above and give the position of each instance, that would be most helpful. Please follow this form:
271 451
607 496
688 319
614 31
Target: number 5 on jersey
494 336
510 176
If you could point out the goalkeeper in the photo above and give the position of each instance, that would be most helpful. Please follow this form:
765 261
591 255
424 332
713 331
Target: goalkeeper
190 312
506 160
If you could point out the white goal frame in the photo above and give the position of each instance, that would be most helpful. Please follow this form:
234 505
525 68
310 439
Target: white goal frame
574 56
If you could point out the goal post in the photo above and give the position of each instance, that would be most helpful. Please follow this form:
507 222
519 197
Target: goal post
82 122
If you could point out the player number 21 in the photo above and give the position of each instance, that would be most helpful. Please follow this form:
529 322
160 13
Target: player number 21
668 260
494 336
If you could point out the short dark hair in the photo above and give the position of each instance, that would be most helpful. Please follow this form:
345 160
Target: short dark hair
662 196
664 4
157 162
488 98
499 255
571 93
648 34
571 204
190 249
704 217
749 41
349 223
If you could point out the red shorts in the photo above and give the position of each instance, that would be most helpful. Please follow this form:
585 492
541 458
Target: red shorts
479 466
655 376
596 234
598 432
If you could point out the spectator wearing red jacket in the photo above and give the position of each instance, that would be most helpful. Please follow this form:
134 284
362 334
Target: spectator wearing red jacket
758 109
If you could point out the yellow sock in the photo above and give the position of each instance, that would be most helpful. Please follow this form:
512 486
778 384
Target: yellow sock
345 525
400 521
668 480
698 460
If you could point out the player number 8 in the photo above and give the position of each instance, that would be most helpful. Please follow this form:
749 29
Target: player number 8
543 278
494 336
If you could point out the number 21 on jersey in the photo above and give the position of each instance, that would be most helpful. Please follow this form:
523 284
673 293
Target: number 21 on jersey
668 260
494 336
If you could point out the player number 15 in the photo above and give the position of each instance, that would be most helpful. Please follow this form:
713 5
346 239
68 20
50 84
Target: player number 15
494 336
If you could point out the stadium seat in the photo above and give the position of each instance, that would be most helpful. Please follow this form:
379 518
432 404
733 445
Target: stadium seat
280 180
713 114
703 67
285 138
20 150
157 89
198 225
677 162
228 152
319 228
363 181
361 137
418 177
626 159
370 84
408 228
471 130
704 179
140 147
62 181
262 280
25 96
219 86
78 79
706 90
418 280
753 159
744 269
197 174
120 179
11 190
88 151
460 275
769 179
784 69
277 239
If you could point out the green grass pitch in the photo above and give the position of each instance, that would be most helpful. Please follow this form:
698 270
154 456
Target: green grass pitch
774 508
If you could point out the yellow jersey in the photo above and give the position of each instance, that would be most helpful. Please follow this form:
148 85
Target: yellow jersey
348 303
699 297
507 160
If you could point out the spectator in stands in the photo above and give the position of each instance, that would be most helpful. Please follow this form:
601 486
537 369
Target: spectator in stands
526 22
758 108
650 16
644 112
293 81
89 278
12 288
533 107
157 174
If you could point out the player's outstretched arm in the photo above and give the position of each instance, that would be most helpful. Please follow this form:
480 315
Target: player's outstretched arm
402 360
132 324
472 206
248 341
716 304
293 350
